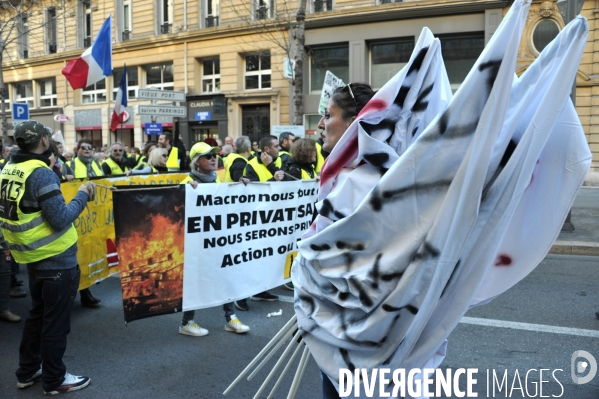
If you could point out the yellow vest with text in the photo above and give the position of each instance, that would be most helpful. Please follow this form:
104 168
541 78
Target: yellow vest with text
114 167
232 157
262 171
172 163
80 170
30 238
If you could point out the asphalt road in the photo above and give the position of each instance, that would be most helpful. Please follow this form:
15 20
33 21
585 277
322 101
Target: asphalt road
149 359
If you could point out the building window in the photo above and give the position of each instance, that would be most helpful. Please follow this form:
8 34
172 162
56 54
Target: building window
257 71
51 31
24 92
330 58
165 19
211 11
47 92
132 82
160 76
95 93
211 76
23 39
85 23
544 32
387 58
125 18
322 5
263 9
460 52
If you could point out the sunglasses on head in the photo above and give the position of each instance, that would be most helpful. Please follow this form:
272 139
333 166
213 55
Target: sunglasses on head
351 93
209 156
86 147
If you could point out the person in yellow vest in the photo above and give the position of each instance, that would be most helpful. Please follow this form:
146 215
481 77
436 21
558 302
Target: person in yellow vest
5 152
38 227
84 165
235 162
286 140
321 155
303 157
268 166
116 164
175 159
203 170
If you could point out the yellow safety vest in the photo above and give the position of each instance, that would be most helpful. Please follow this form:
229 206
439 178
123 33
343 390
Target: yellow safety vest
232 157
306 175
114 167
80 170
319 158
30 238
190 179
172 163
261 170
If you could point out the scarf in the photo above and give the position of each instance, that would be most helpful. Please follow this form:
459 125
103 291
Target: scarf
87 161
202 178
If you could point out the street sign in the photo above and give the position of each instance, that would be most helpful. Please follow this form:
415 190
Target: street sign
20 113
161 110
160 95
203 115
153 128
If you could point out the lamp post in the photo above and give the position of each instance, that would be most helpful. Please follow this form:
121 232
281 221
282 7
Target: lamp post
569 10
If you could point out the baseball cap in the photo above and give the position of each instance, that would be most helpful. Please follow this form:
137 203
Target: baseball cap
202 149
30 131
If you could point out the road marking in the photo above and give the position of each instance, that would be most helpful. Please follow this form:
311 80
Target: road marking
510 324
530 327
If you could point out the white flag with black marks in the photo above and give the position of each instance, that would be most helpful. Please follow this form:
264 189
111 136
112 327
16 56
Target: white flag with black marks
439 222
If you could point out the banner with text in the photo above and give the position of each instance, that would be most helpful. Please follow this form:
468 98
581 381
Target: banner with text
241 240
97 254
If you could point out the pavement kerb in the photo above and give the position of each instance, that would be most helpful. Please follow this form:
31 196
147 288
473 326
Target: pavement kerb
575 248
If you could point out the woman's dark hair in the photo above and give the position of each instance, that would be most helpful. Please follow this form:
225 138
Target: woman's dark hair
147 146
302 151
352 105
54 148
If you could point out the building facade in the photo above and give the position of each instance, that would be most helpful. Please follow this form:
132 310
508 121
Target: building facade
227 57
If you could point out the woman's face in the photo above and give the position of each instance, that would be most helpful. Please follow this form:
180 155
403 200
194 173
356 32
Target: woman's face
207 163
333 126
150 149
313 157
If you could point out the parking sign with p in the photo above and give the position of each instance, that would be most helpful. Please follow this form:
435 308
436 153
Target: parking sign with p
20 113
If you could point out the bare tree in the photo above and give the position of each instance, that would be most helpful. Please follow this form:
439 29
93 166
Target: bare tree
15 27
285 28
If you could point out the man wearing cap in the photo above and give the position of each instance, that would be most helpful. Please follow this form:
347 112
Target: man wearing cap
38 227
203 167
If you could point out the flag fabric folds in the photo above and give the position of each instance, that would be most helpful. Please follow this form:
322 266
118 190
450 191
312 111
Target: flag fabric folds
424 218
120 103
95 63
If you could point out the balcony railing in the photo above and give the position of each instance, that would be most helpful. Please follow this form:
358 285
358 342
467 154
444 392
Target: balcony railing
262 12
87 41
211 21
126 35
323 5
166 28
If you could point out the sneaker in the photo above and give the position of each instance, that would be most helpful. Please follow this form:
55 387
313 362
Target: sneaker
241 305
9 316
289 286
17 292
264 296
71 383
22 384
235 325
191 328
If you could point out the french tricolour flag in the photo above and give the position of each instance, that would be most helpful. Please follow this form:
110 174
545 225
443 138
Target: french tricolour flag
95 63
120 103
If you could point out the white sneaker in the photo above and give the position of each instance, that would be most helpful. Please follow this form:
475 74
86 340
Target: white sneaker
235 325
71 383
191 328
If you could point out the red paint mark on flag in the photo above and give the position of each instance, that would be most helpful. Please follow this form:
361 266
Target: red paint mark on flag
503 260
373 105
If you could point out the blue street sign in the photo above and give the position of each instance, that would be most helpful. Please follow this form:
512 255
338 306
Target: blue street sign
20 112
153 128
203 115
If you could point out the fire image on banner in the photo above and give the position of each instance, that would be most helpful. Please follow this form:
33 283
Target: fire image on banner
150 250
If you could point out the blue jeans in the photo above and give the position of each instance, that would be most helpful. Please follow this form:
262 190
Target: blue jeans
49 322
